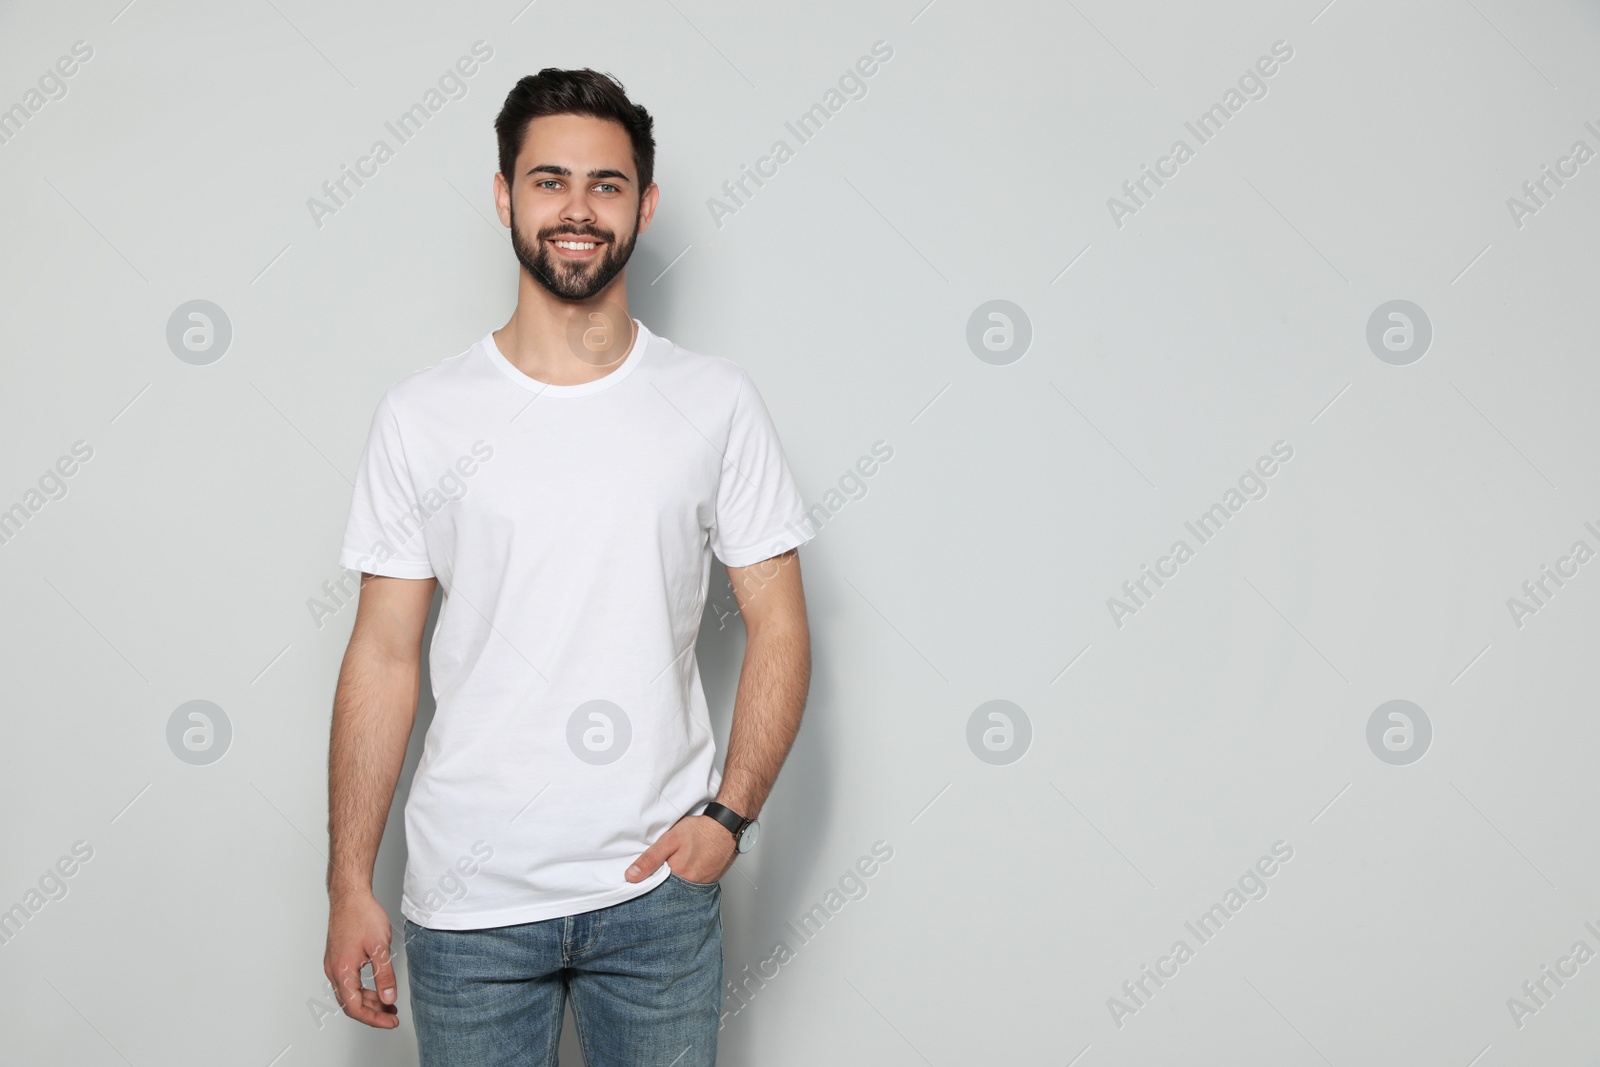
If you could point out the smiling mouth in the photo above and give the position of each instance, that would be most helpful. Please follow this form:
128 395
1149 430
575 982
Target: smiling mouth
576 246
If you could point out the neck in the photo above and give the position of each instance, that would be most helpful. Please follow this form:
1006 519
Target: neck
565 342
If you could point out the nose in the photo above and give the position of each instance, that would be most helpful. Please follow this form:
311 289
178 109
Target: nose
577 210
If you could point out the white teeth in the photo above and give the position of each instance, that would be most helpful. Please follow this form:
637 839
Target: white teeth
576 246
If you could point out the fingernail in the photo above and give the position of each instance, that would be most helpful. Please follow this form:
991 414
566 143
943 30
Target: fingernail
633 870
388 996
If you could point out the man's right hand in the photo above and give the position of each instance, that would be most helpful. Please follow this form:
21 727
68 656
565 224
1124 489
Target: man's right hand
358 934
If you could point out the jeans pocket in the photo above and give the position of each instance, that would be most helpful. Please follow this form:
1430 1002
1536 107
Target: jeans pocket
675 876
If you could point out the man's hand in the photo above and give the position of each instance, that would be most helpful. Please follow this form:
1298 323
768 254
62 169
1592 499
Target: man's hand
358 934
698 847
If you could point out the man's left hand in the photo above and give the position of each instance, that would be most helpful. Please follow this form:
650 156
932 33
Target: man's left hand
696 847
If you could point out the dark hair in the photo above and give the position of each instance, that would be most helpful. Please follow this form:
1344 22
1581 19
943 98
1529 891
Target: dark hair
553 91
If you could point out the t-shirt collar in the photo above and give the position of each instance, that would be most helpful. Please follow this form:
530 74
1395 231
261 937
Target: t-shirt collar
533 385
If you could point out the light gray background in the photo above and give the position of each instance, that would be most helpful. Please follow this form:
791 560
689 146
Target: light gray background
1168 354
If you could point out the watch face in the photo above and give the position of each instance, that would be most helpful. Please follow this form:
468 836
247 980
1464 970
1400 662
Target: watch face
747 839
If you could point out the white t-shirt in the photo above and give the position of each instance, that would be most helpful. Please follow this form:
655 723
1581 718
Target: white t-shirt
571 528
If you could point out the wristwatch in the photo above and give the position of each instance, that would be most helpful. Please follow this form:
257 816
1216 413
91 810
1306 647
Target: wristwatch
744 830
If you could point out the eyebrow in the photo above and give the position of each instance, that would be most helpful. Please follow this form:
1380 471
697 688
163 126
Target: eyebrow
599 172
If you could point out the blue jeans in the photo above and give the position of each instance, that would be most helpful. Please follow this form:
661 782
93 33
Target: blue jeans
645 977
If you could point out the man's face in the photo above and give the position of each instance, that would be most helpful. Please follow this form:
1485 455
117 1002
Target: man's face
574 183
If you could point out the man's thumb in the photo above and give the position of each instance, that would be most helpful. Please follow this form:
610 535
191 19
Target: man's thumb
646 864
383 973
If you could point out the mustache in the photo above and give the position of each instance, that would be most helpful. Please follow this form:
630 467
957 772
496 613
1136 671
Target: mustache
598 235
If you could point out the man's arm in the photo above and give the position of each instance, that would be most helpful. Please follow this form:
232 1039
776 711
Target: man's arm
773 681
374 707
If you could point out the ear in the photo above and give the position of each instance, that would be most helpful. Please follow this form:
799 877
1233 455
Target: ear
647 206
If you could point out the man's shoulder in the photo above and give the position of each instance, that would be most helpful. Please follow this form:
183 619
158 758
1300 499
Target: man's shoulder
437 381
707 375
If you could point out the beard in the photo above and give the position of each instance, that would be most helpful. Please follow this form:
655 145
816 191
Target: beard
576 280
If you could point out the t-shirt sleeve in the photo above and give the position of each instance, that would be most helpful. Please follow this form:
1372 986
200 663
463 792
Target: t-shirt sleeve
760 512
383 534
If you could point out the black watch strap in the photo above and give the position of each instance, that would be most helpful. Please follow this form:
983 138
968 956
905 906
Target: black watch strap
727 817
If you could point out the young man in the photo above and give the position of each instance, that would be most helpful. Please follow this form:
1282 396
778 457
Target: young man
567 480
